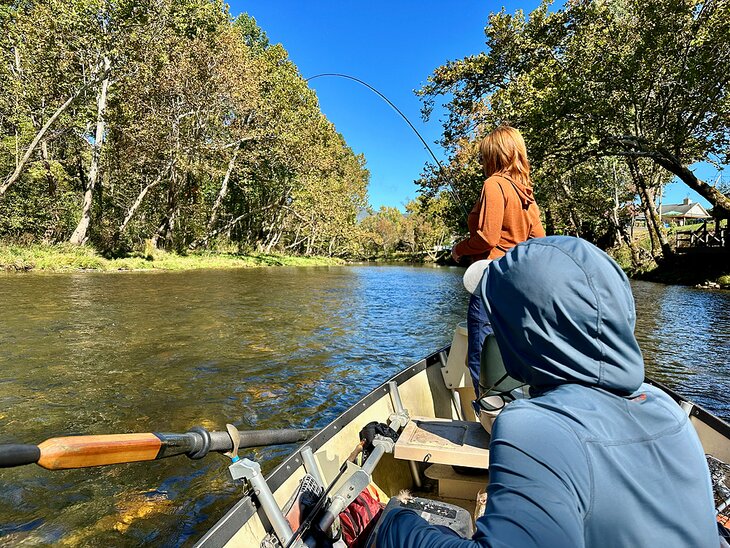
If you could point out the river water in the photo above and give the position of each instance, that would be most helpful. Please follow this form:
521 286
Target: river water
259 348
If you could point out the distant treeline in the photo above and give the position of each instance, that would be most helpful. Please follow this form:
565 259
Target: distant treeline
169 123
614 97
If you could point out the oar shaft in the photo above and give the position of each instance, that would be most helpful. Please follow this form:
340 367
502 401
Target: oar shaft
84 451
260 438
16 454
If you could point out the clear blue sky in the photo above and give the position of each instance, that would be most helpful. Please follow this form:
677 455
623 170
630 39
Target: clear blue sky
393 46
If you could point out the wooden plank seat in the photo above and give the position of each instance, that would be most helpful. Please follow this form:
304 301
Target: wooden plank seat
444 441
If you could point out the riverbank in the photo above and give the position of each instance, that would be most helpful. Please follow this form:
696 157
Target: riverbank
69 258
696 270
708 270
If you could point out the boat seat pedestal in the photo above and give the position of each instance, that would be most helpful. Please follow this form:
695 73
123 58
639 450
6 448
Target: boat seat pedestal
454 485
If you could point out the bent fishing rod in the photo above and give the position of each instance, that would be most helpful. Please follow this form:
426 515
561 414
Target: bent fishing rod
85 451
440 166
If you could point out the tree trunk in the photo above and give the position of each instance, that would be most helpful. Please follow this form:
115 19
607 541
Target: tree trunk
719 201
574 219
164 231
273 241
223 191
549 221
227 226
621 232
667 251
49 235
660 246
13 177
19 74
650 225
79 235
133 208
620 229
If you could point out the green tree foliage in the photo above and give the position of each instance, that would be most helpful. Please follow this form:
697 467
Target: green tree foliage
420 231
641 81
165 122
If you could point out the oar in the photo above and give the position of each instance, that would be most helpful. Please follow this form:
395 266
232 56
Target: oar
84 451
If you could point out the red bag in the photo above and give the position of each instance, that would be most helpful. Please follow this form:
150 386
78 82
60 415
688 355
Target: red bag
360 518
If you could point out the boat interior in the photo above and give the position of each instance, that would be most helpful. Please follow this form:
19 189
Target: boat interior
439 463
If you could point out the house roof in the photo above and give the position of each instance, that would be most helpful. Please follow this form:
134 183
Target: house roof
687 209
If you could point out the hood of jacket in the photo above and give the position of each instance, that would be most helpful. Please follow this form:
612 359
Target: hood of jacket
563 312
524 192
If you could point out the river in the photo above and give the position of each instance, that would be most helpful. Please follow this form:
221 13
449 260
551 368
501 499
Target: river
259 348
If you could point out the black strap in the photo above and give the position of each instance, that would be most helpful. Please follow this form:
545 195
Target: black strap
205 447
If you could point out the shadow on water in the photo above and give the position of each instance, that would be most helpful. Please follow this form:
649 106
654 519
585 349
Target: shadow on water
259 348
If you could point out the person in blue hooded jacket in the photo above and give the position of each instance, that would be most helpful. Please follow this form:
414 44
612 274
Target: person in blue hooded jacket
595 457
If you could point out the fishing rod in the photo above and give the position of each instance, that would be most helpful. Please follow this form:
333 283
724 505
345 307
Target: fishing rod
440 166
86 451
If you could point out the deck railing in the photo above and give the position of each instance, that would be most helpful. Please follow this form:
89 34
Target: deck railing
703 239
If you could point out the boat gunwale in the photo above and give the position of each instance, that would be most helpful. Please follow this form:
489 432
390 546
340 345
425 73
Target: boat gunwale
226 527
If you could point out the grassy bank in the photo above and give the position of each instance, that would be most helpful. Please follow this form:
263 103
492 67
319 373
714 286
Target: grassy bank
67 258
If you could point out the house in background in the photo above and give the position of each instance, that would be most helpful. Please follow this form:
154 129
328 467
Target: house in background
685 213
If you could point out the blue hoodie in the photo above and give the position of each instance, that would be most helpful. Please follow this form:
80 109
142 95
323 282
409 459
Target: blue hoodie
595 457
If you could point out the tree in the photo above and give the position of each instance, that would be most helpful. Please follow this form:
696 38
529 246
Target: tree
617 78
165 123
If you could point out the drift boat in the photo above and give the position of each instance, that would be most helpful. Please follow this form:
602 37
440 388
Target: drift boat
440 457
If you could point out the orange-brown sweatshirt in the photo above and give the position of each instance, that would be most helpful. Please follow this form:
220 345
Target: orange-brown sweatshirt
505 215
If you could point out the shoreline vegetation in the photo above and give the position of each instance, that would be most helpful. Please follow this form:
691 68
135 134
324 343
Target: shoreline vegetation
707 273
71 258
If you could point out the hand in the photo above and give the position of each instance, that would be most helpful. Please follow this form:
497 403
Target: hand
455 255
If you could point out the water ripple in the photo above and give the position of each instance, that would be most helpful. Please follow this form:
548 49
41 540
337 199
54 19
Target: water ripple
264 348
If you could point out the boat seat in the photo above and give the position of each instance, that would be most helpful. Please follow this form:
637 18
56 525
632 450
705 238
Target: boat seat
444 441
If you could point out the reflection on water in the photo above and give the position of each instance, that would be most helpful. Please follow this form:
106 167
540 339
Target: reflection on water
260 348
685 336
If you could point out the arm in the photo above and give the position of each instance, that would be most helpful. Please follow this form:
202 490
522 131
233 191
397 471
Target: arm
536 229
489 213
403 528
539 489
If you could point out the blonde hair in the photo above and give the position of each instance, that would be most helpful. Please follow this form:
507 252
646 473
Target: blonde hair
503 151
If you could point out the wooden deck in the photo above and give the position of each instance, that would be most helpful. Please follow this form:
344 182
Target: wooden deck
703 240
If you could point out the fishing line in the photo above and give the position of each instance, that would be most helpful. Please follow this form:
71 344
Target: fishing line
441 168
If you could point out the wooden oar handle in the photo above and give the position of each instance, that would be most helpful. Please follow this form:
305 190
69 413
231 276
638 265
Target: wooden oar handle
82 451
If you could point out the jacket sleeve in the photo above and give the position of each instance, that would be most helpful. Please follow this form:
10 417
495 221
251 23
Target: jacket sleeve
536 228
489 211
532 501
403 528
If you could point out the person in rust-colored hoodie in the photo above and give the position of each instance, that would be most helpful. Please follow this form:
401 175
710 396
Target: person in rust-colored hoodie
505 215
